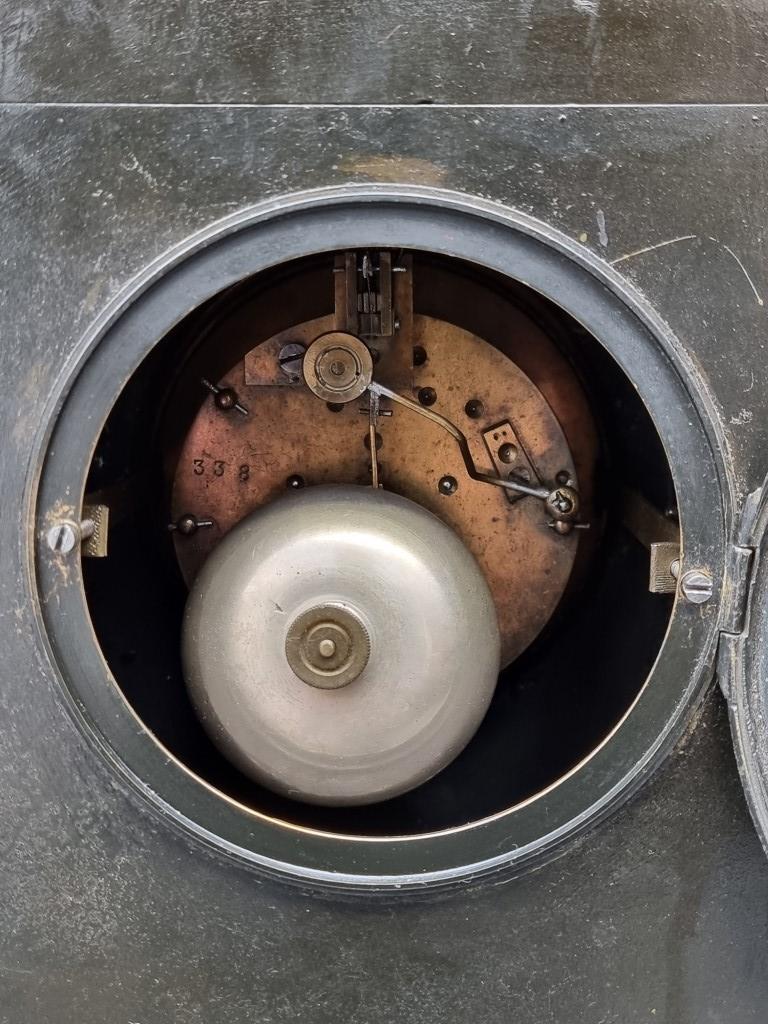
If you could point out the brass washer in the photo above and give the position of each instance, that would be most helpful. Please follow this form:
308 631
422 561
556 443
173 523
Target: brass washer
327 646
337 367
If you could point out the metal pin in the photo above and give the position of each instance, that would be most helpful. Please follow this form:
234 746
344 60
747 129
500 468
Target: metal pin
189 524
224 398
373 418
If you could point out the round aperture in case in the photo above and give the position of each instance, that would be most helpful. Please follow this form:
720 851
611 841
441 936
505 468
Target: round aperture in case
411 506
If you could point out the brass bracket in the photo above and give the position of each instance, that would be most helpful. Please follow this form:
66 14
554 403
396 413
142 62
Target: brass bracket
508 456
94 543
664 567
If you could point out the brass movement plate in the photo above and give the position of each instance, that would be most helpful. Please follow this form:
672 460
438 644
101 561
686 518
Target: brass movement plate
230 465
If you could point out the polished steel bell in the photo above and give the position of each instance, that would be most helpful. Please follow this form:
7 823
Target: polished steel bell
341 645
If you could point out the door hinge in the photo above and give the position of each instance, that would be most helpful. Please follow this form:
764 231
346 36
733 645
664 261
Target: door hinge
738 575
740 565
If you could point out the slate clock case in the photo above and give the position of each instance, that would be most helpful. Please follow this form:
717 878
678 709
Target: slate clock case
626 193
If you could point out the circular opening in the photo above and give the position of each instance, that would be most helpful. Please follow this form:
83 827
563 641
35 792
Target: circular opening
169 455
225 433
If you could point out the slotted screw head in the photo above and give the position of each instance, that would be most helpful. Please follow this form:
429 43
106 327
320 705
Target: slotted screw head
63 538
290 358
696 586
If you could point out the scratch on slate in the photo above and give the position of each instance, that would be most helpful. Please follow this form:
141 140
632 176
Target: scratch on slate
388 36
651 248
601 231
744 269
689 238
